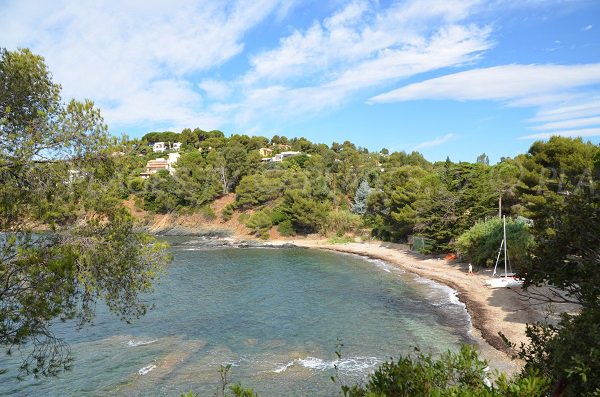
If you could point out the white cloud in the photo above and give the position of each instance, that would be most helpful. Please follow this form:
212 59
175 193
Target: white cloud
435 142
570 111
588 27
216 89
586 132
574 123
505 82
118 53
357 48
555 89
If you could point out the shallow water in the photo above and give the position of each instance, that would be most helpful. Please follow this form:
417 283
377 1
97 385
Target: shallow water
278 316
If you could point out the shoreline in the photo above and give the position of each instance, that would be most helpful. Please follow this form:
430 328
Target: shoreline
485 306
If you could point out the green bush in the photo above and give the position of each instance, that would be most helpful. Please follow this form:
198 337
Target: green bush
208 213
259 222
227 212
243 218
481 242
286 228
341 222
135 184
453 374
278 216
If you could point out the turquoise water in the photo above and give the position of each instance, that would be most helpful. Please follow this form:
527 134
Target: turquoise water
277 315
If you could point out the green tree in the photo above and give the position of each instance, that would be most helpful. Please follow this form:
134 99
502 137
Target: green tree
566 259
55 169
480 243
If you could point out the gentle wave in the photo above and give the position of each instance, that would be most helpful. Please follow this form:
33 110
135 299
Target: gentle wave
134 343
354 364
146 369
451 295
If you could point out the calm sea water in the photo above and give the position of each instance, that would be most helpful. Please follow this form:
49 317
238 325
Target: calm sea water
276 315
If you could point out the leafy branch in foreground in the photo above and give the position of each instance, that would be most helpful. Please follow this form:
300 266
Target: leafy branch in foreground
55 174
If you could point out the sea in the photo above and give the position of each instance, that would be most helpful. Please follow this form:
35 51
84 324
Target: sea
285 321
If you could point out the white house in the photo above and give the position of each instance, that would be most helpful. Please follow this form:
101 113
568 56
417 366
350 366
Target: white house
284 155
153 166
159 147
177 146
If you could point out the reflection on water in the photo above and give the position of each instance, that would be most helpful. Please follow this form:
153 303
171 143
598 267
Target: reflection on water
278 316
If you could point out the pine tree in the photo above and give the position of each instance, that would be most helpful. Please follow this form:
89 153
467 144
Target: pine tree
360 198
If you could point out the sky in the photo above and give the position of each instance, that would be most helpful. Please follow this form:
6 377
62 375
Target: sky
445 78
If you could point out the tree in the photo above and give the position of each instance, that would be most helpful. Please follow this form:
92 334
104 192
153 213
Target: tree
483 159
360 198
55 169
566 257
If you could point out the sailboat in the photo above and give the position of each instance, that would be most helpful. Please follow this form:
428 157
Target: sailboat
507 279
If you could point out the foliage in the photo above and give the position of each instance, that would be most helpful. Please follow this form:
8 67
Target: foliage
568 353
567 257
360 198
278 216
258 189
341 222
286 228
453 374
259 222
55 170
227 212
307 215
481 242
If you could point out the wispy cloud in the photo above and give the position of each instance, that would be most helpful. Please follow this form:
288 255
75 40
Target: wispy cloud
434 142
554 89
359 47
574 123
586 132
588 27
507 82
586 108
121 53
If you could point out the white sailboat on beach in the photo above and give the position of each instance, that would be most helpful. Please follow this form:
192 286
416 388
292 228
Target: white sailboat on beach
507 279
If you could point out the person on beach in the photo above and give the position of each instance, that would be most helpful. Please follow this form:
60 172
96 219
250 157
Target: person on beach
470 269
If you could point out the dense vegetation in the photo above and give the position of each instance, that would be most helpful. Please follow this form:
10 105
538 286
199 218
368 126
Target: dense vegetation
342 188
61 171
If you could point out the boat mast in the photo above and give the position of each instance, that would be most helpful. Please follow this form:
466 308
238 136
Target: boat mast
504 241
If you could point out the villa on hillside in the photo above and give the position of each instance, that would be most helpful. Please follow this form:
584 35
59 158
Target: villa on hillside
153 166
283 155
265 152
159 147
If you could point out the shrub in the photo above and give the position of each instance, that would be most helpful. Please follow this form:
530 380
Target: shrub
453 374
135 184
480 243
278 216
341 222
208 213
259 222
286 228
227 212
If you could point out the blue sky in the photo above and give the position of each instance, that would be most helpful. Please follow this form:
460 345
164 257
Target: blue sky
442 77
